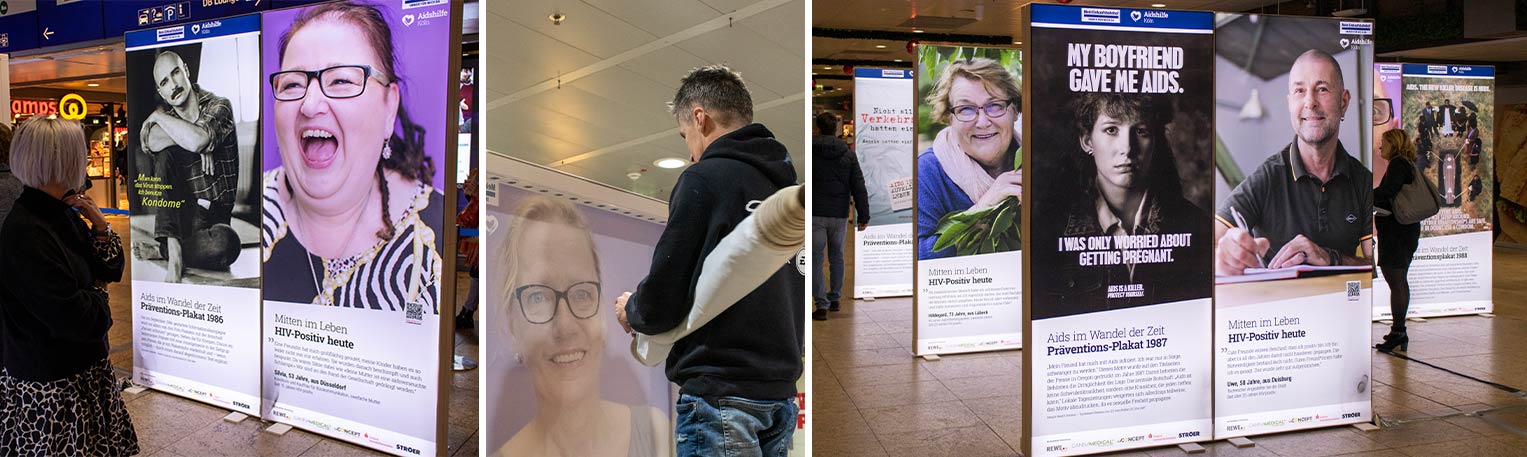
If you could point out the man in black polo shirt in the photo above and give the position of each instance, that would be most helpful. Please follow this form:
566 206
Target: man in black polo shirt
1310 203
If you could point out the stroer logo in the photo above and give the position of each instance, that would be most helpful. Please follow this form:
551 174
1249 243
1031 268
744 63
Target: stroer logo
1100 15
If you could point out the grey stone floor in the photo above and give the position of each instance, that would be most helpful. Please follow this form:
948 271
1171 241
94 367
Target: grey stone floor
872 398
172 426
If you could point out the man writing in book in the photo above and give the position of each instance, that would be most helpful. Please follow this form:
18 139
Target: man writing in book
1310 203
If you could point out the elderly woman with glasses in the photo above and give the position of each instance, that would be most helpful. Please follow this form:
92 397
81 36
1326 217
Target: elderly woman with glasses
970 165
550 300
347 214
58 392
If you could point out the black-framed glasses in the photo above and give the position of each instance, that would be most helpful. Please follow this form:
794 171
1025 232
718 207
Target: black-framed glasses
994 110
1383 111
338 82
539 303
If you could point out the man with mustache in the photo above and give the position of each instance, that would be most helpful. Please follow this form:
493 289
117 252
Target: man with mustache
191 134
1311 203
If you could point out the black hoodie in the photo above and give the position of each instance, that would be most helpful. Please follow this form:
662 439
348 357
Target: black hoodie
837 178
753 350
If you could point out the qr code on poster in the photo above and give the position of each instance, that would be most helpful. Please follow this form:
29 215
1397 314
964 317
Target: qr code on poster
413 312
1354 290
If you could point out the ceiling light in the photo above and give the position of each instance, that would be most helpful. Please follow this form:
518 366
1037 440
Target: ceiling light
92 85
1158 5
895 60
879 46
917 31
669 162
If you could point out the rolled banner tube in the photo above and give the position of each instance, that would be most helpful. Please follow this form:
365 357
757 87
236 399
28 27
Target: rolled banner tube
754 251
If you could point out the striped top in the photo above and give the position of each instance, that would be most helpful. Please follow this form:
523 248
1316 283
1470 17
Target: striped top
391 275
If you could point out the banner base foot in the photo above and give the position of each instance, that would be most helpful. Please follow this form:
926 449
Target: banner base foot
1191 448
931 357
278 429
1241 442
867 299
1491 315
134 390
235 417
1387 321
1365 427
1416 319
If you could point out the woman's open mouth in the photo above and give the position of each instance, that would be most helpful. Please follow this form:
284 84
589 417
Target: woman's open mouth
567 358
319 148
983 136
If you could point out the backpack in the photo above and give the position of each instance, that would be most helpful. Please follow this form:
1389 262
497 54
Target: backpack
1417 199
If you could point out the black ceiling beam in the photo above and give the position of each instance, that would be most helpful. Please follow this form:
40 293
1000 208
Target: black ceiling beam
891 35
863 63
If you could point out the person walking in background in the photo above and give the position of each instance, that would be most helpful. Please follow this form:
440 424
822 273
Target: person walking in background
736 374
1397 242
58 394
837 180
10 187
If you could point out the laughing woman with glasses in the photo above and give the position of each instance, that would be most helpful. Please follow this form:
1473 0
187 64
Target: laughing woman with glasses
970 165
551 297
346 213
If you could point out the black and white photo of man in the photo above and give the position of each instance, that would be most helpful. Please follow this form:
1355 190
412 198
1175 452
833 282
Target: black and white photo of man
192 135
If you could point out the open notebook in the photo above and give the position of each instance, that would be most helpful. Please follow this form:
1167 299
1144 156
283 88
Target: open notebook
1299 271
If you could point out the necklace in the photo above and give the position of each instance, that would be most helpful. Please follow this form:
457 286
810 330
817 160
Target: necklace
318 291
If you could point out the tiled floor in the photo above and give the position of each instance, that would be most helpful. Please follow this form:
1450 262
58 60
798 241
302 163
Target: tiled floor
872 398
171 426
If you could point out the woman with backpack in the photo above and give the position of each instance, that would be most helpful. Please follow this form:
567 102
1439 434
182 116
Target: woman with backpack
1397 240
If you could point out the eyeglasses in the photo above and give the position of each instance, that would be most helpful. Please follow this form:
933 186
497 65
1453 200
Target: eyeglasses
994 110
338 82
539 303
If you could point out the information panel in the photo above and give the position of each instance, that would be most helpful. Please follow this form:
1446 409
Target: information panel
18 26
1449 112
354 238
884 124
1117 301
193 114
967 187
1294 224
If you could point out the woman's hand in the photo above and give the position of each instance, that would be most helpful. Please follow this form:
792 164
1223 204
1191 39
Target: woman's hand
620 313
88 208
1007 184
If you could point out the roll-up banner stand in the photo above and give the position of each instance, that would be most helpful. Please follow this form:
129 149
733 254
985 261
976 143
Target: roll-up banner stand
968 275
193 93
1117 299
1294 224
557 233
1449 112
884 124
355 347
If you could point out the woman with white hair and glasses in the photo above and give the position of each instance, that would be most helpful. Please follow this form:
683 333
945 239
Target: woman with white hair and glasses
58 395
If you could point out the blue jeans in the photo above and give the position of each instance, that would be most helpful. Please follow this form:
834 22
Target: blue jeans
828 233
734 427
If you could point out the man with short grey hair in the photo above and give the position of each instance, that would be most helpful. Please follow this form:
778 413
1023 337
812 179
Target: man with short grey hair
736 374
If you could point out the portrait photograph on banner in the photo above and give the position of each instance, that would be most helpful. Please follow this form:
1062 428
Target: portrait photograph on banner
193 118
561 351
1119 248
357 143
968 190
1294 223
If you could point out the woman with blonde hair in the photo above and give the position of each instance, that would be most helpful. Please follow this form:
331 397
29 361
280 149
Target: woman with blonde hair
970 165
550 297
1397 242
58 393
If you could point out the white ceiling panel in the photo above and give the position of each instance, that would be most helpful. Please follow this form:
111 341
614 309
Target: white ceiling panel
620 62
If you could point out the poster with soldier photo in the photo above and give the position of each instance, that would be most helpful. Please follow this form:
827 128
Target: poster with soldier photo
193 115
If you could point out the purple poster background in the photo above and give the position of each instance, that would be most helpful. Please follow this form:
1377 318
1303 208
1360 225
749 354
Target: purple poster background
420 37
625 246
1386 85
